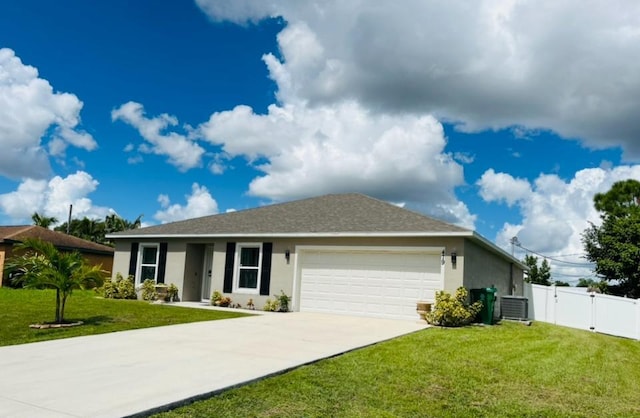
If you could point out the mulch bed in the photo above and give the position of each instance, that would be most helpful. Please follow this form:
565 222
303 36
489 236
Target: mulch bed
54 325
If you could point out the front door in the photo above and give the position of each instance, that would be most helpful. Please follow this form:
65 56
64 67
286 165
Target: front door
206 273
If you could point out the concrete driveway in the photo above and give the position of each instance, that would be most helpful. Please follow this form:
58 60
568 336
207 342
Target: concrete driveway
131 372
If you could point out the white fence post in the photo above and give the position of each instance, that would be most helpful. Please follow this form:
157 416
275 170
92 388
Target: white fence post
637 320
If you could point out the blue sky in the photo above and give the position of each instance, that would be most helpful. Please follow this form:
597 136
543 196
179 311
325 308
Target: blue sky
499 116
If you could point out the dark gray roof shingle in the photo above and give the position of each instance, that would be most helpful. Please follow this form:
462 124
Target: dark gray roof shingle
335 213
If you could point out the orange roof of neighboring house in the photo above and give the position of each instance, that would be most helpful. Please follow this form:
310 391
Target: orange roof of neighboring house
10 234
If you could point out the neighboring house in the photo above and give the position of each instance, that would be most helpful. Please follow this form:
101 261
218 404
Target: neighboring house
95 254
343 253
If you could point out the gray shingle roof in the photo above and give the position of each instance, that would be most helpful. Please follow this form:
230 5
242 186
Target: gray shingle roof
329 214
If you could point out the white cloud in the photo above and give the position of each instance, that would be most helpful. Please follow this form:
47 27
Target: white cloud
182 152
464 157
135 160
199 203
238 11
52 198
567 66
496 187
28 109
556 212
343 148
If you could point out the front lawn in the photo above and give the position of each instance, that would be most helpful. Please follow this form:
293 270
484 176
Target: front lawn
505 370
21 307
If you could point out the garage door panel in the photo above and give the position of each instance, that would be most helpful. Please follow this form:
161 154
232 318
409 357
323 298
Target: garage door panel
368 283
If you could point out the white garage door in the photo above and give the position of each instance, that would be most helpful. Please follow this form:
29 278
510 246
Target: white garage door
377 284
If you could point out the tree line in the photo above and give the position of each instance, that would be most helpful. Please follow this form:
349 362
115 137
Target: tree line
89 229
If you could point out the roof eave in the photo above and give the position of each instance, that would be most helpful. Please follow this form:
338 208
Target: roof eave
299 235
485 242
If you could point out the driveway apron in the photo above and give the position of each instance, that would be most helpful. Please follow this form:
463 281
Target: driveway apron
132 372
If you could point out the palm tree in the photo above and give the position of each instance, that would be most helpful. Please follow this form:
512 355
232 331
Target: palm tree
115 223
43 221
41 265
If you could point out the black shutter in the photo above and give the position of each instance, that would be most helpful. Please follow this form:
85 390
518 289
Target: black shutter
162 262
265 280
133 259
227 287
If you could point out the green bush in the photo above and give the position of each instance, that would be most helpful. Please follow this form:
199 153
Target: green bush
218 299
270 305
216 296
283 302
149 290
172 293
280 304
121 288
453 311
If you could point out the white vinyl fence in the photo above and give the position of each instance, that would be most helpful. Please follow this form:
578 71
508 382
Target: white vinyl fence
577 308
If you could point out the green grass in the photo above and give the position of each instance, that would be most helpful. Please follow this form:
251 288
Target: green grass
20 308
507 370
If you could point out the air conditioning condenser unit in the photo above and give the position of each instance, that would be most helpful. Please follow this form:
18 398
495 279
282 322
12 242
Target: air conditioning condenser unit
514 307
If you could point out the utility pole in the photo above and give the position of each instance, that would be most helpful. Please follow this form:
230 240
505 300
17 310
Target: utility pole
69 220
514 241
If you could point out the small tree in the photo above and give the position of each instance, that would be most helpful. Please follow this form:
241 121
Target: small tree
538 274
614 246
41 265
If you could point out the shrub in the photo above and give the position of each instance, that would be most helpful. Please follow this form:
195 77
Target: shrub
126 288
172 293
280 304
283 302
121 288
270 305
453 311
148 288
218 299
224 302
108 289
216 296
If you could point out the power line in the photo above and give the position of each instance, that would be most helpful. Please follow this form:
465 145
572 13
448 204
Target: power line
568 255
554 259
574 275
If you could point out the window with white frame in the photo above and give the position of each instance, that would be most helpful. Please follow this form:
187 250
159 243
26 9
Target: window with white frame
148 262
248 267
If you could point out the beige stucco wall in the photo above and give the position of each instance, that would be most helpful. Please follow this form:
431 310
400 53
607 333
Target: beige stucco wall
175 269
121 259
476 266
185 262
281 271
484 268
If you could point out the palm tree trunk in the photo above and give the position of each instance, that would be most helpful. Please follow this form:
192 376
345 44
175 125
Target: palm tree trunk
58 303
64 302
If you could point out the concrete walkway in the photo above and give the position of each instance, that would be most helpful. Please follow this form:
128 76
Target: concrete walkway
131 372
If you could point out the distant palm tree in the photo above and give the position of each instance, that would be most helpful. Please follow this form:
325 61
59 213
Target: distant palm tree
43 266
95 230
114 223
43 221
